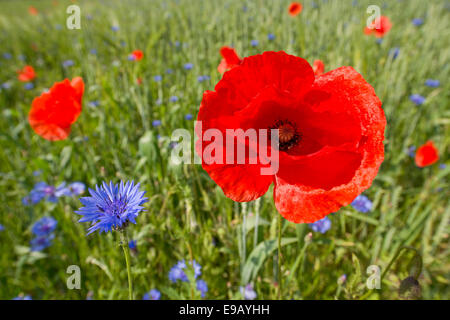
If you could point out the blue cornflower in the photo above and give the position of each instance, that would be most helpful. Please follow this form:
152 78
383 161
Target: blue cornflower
93 51
94 103
177 43
270 36
7 55
76 188
132 244
188 116
156 123
42 190
173 99
37 173
6 85
44 226
21 57
202 287
394 52
203 78
342 279
112 207
441 166
411 151
188 66
254 43
362 203
153 294
158 102
379 41
432 83
115 28
2 228
22 297
68 63
41 242
417 22
28 86
177 271
322 225
417 99
169 71
247 292
157 78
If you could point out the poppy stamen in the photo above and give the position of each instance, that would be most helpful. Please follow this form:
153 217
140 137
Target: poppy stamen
288 134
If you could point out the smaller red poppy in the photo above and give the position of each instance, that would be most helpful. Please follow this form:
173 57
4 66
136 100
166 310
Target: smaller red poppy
139 81
230 59
26 74
54 111
33 11
295 8
136 55
379 27
427 154
318 67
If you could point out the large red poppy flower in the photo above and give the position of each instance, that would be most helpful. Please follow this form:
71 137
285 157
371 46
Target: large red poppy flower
331 131
379 27
54 111
295 8
427 155
318 67
230 59
26 74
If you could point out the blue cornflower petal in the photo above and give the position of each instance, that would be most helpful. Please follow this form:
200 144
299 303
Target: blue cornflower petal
157 78
39 243
173 99
322 225
202 287
417 22
270 36
188 116
248 292
432 83
254 43
156 123
44 226
153 294
188 66
362 203
417 99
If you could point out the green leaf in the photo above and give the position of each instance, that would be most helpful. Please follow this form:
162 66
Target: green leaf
258 256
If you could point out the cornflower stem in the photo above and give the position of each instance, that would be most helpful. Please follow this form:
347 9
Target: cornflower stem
279 257
126 252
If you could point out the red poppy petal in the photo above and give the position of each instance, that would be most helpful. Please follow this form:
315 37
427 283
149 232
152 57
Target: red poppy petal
426 155
240 182
285 72
78 84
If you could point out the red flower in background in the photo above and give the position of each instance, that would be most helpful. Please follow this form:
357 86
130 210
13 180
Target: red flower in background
295 8
136 55
33 11
379 27
318 67
230 59
26 74
426 155
54 111
331 131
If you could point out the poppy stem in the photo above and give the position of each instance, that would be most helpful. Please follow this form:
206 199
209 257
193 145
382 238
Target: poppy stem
279 257
126 251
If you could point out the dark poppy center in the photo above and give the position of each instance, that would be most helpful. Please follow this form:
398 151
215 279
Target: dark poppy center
288 134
